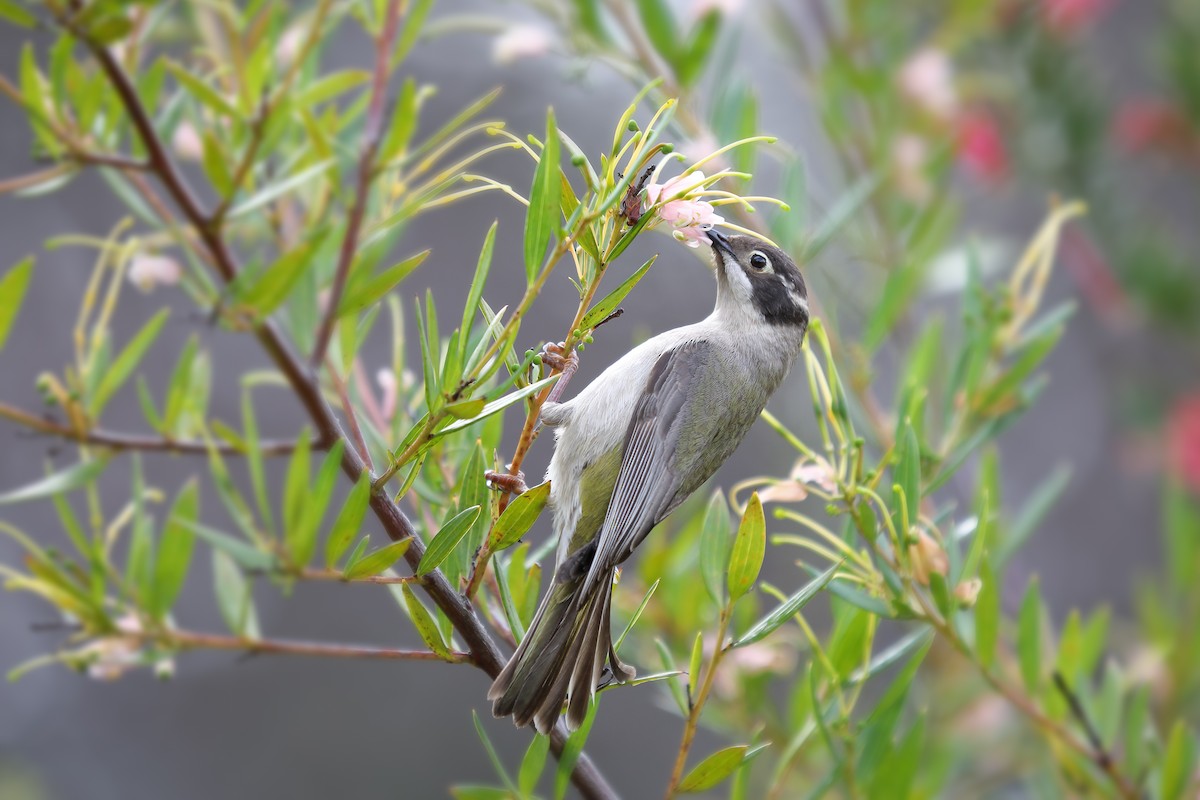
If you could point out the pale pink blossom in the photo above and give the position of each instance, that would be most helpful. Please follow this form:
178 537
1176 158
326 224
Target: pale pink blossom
386 379
289 44
109 658
967 592
726 8
690 218
186 142
910 154
520 41
927 79
147 271
1066 17
805 473
767 656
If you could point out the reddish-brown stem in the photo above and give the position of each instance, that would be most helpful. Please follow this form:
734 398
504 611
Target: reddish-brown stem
189 640
372 131
132 441
340 577
343 394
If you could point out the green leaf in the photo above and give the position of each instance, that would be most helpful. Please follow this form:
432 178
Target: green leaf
368 292
414 24
200 89
749 547
244 554
330 86
174 551
571 751
786 610
908 475
661 28
467 409
56 483
1029 638
499 405
533 763
295 487
234 598
715 544
518 517
636 615
609 304
13 12
12 293
269 291
694 55
497 764
714 769
1178 762
424 623
447 539
349 520
695 663
1032 513
1181 534
127 362
279 188
482 268
301 538
375 563
987 616
541 219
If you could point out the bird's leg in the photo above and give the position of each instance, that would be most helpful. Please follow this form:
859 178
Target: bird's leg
511 484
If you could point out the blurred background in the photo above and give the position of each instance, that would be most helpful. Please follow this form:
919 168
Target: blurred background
1096 99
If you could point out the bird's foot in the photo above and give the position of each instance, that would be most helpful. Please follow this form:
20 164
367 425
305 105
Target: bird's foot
553 356
513 484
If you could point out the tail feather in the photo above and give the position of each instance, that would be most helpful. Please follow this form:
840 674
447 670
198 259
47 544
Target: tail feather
560 660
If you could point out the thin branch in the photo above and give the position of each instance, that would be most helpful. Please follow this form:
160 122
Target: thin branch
696 704
108 160
114 440
338 576
484 653
372 132
343 394
1100 755
188 640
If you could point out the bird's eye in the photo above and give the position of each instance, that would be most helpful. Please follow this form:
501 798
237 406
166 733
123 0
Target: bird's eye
759 261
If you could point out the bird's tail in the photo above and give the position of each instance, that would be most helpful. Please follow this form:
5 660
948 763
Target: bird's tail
561 659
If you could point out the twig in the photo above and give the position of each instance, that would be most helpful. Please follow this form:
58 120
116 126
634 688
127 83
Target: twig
188 640
343 394
697 705
1100 755
372 131
484 653
133 441
340 577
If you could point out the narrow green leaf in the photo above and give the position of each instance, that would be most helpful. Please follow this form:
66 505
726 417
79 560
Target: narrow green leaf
234 598
714 769
254 459
609 304
907 475
661 28
693 56
786 610
447 539
279 188
367 293
497 764
1032 513
636 615
349 520
532 764
374 563
424 623
295 487
518 517
541 219
199 88
467 409
499 405
571 751
274 285
749 548
330 86
56 483
716 540
124 365
1178 762
174 551
1029 637
987 616
244 554
14 13
482 268
302 539
12 293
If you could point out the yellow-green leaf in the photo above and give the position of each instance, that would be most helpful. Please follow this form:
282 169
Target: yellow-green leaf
447 539
749 547
12 292
375 563
519 517
423 622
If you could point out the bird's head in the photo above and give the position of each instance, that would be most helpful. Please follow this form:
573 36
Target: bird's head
760 279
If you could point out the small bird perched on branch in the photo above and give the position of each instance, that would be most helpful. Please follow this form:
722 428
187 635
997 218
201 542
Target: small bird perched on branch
632 446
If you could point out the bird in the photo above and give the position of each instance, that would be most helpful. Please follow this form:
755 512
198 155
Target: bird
629 449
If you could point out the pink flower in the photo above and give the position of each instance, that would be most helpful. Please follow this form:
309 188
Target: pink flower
724 7
927 79
289 44
1153 124
690 218
186 142
387 385
981 147
1183 440
1066 17
520 41
149 271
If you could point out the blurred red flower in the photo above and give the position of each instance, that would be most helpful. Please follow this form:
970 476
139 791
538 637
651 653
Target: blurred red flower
1183 439
981 147
1066 17
1148 123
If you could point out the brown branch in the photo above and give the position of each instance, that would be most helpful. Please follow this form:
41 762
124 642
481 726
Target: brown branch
356 434
484 653
188 640
372 131
108 160
340 577
132 441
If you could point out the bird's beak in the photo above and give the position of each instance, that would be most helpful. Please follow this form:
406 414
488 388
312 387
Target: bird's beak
719 240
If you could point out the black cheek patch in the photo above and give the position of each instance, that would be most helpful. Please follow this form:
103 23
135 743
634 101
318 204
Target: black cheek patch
772 300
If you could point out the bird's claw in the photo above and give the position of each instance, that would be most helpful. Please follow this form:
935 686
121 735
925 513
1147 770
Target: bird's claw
513 484
553 357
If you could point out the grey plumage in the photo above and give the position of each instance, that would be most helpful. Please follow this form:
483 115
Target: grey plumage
632 446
